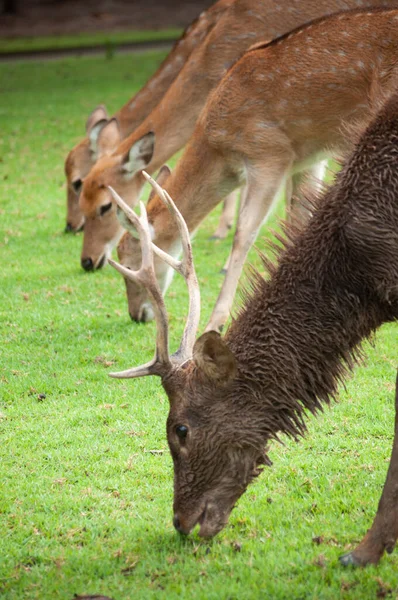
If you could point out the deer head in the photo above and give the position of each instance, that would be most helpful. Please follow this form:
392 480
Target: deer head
129 254
78 164
215 457
120 170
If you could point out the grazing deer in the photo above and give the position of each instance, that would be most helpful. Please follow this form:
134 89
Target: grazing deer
292 343
277 111
173 120
83 156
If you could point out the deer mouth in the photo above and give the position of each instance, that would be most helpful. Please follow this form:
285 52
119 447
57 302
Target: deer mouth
102 261
185 525
70 228
212 521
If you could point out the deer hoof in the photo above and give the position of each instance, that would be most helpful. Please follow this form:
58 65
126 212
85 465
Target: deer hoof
349 560
223 271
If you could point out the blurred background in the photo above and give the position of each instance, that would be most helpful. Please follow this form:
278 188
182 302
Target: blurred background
30 18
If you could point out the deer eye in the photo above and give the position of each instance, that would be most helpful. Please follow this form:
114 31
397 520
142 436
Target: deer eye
77 185
105 207
182 431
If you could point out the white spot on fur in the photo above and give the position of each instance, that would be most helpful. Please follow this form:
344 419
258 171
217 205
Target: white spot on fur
266 125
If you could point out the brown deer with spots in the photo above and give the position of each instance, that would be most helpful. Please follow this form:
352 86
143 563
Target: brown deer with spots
85 154
292 343
277 111
173 120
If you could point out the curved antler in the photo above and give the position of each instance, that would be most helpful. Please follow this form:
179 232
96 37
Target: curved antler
186 268
146 276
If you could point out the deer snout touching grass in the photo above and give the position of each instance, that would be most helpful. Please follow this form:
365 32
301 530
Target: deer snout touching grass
294 340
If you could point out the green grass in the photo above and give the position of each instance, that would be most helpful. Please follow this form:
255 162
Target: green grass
83 40
85 507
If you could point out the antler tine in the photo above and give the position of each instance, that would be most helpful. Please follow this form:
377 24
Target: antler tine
186 268
141 224
145 276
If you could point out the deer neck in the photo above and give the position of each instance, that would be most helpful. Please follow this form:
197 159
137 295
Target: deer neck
300 332
133 113
200 180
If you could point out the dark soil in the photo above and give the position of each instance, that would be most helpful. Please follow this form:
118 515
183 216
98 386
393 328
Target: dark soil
56 17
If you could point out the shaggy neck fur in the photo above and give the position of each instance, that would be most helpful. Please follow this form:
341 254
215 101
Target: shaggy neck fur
335 283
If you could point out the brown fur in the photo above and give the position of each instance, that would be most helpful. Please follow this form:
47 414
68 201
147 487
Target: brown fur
295 338
81 158
277 108
174 118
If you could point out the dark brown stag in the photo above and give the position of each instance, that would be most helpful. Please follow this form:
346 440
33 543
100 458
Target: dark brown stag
294 340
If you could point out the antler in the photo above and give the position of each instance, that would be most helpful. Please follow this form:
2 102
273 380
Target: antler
186 268
146 276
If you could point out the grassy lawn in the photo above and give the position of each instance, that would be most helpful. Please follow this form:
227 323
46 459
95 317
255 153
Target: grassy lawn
85 502
82 40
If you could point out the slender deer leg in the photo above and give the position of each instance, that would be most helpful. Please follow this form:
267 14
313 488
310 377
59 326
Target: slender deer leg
259 197
243 192
384 531
227 217
311 179
293 193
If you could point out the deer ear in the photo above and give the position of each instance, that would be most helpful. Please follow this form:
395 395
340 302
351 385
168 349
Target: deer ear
212 355
140 154
94 132
99 114
108 138
163 175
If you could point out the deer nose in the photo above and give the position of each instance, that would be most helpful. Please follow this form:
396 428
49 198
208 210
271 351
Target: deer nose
177 525
68 228
87 264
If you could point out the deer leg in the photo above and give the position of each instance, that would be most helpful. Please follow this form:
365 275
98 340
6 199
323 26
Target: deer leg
260 194
227 217
384 531
296 190
224 270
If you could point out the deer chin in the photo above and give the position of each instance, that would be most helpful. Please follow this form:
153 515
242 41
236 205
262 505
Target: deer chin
145 313
103 259
101 262
213 520
212 517
74 227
